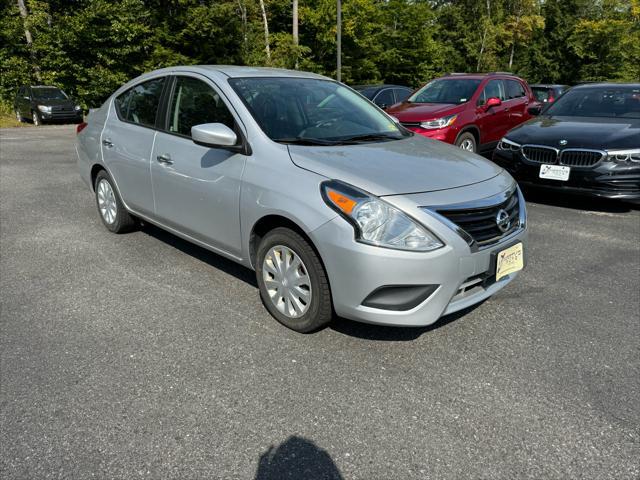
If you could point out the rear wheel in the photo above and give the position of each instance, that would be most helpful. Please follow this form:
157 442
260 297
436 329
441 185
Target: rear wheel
467 142
292 280
112 212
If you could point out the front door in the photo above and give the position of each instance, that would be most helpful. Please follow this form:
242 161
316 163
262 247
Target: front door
196 188
127 141
493 122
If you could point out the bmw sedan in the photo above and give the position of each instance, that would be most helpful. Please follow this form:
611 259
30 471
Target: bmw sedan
337 208
588 141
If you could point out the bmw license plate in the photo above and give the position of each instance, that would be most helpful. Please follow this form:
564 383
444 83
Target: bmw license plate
509 260
555 172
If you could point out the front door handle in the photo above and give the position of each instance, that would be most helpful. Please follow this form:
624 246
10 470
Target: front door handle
107 143
165 159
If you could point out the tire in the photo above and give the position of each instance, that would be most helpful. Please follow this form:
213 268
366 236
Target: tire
112 212
18 116
467 141
318 312
35 117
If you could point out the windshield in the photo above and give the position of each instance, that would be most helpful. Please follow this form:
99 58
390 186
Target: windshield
48 93
622 101
313 111
446 91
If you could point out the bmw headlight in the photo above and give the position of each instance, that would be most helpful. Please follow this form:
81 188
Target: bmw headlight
624 156
44 108
376 222
439 123
508 145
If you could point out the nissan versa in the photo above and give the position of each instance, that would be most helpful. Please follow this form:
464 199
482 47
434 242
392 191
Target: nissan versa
337 208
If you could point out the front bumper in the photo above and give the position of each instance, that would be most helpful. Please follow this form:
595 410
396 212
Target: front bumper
62 116
606 179
463 277
447 134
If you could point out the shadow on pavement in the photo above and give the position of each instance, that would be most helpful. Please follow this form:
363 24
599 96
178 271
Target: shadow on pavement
216 261
557 198
297 459
394 334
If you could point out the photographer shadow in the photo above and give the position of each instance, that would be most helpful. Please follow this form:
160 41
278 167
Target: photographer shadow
297 459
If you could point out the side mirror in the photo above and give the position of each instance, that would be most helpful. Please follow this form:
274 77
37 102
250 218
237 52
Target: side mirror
213 135
492 102
535 109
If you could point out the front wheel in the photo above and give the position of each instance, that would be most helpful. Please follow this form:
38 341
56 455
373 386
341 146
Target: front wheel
467 142
292 280
36 119
113 214
18 116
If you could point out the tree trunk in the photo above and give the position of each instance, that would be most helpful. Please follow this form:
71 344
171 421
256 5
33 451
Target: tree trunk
27 34
295 27
513 44
266 31
245 36
484 35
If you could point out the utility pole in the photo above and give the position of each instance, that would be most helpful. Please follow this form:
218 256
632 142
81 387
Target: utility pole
339 41
295 27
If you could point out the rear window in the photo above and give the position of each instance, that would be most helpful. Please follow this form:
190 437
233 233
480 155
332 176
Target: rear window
622 101
139 104
541 93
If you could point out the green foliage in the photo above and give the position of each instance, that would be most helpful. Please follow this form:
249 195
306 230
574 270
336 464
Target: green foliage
90 47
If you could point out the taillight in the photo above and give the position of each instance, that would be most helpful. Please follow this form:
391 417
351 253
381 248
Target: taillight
551 98
80 127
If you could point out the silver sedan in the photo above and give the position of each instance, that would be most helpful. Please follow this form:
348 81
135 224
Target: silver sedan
338 209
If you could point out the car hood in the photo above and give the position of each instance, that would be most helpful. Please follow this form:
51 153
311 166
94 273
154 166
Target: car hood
411 165
579 132
418 112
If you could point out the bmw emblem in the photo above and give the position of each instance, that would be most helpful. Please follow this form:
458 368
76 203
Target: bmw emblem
563 142
502 220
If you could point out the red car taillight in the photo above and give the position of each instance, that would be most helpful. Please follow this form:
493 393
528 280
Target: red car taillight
80 127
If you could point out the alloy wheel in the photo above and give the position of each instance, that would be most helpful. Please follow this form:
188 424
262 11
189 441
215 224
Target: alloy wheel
287 281
107 202
36 119
467 145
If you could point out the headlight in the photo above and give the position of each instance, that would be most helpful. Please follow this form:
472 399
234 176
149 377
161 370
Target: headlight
78 107
439 123
508 145
624 156
44 108
376 222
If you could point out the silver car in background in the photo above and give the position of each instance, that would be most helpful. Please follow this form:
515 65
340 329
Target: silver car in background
337 208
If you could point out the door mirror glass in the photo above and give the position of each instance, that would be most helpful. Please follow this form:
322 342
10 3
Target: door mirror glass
213 135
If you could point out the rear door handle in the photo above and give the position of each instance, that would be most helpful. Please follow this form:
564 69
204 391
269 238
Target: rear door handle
107 143
165 159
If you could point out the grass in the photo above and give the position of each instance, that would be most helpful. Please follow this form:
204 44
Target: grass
8 117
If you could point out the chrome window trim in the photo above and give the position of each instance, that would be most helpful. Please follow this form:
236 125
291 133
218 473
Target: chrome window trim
481 203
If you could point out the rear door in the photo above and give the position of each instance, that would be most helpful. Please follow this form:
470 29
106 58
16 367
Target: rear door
493 122
197 188
517 102
127 142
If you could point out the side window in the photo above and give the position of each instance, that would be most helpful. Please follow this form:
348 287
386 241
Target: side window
384 98
494 88
140 104
514 89
194 103
402 94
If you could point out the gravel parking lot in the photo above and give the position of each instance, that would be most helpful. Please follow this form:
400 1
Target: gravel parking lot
142 356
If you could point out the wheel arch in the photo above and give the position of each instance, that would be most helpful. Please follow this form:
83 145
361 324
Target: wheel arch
474 130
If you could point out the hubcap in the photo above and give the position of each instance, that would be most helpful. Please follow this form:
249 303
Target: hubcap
106 202
467 145
287 281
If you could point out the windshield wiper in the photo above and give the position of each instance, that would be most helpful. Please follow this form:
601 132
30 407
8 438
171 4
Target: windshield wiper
367 137
304 141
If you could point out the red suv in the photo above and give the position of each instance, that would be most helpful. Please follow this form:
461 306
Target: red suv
472 111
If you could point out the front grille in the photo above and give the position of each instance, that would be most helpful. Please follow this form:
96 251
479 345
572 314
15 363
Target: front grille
580 158
480 223
540 154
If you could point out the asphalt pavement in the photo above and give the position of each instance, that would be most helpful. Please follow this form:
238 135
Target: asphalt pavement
143 356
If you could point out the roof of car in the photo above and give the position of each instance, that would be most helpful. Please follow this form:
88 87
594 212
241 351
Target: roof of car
384 85
548 85
606 85
234 71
